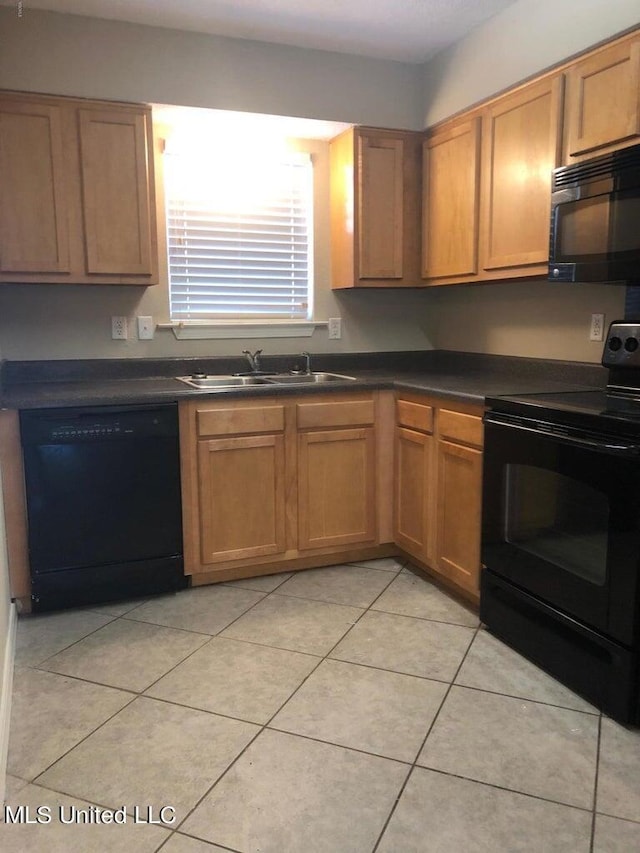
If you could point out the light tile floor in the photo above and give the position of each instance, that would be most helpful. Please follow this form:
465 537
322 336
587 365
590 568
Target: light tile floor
349 710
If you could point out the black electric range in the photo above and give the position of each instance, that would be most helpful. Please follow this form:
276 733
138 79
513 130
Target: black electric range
561 529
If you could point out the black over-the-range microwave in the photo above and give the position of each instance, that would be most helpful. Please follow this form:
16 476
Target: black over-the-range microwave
595 219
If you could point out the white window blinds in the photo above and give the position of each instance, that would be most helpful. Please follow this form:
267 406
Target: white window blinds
239 237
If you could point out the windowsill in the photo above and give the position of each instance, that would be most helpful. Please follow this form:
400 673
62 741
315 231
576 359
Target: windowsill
209 330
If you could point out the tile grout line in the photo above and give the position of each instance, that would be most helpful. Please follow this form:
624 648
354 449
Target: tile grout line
525 699
335 645
210 636
71 645
34 781
142 694
320 659
218 634
595 787
136 694
263 728
422 745
617 817
128 618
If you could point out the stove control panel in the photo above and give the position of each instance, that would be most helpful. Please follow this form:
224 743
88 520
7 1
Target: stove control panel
622 348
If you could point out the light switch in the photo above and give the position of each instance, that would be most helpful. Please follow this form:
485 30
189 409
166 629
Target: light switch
145 328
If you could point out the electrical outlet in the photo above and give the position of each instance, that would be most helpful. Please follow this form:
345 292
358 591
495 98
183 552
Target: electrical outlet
596 333
335 328
145 328
119 330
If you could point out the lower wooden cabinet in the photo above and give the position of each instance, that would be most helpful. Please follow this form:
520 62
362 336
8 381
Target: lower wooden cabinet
439 487
242 497
459 514
286 481
277 479
336 498
414 478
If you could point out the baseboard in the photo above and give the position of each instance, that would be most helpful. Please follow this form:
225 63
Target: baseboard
6 686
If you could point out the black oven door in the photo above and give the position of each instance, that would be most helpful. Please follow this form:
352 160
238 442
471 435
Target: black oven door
561 518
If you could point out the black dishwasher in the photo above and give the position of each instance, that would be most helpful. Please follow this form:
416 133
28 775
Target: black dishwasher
103 503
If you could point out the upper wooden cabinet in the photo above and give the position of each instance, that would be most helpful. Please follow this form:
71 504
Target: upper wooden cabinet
77 203
375 208
34 228
115 191
521 145
451 197
487 188
487 172
602 109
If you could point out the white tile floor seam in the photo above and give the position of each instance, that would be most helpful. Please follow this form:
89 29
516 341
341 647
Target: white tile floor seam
422 745
348 713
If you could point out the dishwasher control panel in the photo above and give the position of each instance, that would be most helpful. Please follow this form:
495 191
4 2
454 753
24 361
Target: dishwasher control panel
96 430
78 425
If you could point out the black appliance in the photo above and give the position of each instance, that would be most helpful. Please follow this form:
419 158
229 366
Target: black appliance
595 210
103 503
561 530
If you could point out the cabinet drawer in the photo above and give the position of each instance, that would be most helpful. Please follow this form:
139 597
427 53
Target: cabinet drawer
348 413
414 416
232 421
455 426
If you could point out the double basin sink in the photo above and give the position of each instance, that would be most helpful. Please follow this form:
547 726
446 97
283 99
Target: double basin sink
214 382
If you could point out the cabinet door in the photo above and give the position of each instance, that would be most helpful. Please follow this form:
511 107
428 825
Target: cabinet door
451 194
603 101
241 497
380 206
115 187
34 234
520 148
459 513
336 483
414 480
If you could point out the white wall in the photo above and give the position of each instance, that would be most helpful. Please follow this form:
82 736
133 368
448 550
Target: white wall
532 319
7 635
526 38
536 319
72 55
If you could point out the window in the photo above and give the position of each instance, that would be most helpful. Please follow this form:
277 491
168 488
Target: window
239 236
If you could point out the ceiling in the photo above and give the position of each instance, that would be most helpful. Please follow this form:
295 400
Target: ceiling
404 30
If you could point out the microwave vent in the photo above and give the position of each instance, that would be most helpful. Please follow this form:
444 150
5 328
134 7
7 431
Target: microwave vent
605 166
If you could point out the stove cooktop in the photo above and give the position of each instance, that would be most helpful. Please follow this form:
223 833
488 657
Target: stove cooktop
616 407
594 410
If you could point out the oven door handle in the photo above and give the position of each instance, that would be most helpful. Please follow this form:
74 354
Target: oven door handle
603 445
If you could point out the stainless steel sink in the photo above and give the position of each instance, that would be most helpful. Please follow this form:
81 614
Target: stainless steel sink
210 383
308 378
214 382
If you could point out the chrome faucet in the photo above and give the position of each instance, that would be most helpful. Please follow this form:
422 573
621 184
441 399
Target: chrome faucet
307 356
254 359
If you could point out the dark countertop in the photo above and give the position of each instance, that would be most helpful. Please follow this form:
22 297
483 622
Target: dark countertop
465 377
